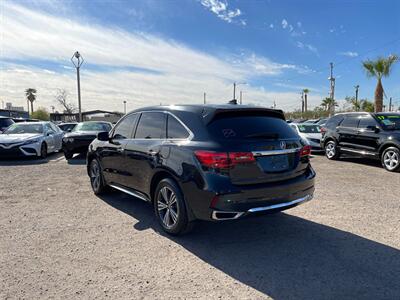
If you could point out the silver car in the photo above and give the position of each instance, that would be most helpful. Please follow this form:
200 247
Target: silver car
311 133
30 139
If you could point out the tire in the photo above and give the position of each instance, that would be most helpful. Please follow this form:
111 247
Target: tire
43 151
96 178
68 155
331 150
390 159
169 202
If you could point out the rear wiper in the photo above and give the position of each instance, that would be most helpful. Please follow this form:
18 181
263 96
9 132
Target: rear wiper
265 135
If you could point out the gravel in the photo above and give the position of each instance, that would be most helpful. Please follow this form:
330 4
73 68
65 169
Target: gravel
58 240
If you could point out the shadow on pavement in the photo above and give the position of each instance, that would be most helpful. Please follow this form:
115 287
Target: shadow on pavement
285 257
21 161
77 160
362 160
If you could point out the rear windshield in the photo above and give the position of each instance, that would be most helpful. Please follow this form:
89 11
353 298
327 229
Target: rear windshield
92 126
250 127
389 121
5 122
309 128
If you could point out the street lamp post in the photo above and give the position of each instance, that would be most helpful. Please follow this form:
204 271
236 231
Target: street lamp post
125 107
77 60
234 89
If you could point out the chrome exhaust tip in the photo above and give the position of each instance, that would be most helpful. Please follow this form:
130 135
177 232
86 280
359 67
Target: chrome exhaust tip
225 215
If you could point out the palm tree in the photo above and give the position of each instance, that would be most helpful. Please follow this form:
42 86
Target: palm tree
31 96
355 105
379 68
305 92
328 103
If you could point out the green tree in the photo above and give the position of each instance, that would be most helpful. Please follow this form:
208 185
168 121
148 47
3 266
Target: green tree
367 106
328 103
381 67
31 96
41 113
355 105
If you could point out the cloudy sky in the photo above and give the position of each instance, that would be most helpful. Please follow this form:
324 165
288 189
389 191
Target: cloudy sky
158 51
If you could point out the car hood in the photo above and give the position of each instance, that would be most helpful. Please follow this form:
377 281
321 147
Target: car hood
17 138
311 135
81 133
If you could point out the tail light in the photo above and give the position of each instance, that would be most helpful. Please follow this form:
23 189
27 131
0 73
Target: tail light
305 151
322 130
223 160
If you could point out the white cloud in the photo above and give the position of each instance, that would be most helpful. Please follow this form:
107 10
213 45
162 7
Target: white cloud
179 74
299 24
220 8
284 24
349 53
308 47
271 26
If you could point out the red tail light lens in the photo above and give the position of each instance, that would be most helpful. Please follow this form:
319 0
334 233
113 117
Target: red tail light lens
305 151
223 160
322 130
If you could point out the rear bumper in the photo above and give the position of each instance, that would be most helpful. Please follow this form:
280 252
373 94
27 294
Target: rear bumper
241 201
77 146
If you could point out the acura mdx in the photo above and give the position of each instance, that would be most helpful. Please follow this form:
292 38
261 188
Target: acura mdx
203 162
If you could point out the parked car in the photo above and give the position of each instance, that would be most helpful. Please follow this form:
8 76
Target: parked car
20 120
67 127
30 139
203 162
374 135
78 140
311 121
322 121
5 122
311 133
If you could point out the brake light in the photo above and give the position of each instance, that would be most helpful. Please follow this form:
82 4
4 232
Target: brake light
223 160
322 130
305 151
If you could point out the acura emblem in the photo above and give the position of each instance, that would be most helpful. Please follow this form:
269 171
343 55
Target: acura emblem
283 145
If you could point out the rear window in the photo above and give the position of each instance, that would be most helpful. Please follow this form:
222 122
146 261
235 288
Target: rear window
250 127
309 128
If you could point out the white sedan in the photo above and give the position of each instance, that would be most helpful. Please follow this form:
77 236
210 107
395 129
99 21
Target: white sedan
311 133
30 139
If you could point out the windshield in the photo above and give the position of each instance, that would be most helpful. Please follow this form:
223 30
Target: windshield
92 126
24 128
309 128
4 123
389 122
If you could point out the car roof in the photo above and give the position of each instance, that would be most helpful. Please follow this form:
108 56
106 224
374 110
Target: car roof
208 111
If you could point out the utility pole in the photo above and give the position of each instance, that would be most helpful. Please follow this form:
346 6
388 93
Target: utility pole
357 87
302 103
124 107
390 104
332 94
77 60
234 90
204 98
241 97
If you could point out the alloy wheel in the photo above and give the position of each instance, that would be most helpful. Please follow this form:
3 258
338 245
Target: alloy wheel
167 206
330 150
95 175
391 160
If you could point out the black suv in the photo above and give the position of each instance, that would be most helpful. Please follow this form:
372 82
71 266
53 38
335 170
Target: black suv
375 135
203 162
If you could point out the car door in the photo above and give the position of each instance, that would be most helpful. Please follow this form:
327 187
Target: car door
49 137
112 152
368 134
347 132
58 135
142 152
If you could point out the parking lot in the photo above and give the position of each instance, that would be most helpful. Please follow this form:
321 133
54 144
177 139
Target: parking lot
58 240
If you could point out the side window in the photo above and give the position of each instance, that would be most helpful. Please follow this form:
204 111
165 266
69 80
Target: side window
151 126
350 121
54 127
334 121
175 129
47 128
366 122
124 129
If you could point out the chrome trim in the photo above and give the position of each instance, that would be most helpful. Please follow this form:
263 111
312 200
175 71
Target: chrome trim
132 193
362 152
280 205
275 152
215 212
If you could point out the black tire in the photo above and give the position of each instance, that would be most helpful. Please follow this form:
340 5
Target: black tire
96 178
331 150
169 202
390 159
43 151
68 155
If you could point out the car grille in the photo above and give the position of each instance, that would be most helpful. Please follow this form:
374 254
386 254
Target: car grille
8 145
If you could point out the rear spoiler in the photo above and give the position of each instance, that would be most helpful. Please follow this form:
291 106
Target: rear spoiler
256 111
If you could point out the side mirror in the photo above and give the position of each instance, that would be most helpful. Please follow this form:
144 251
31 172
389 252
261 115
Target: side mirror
103 136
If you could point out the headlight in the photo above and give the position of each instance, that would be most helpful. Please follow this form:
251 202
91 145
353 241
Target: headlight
32 141
68 140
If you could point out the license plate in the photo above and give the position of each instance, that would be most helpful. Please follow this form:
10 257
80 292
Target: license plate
274 163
